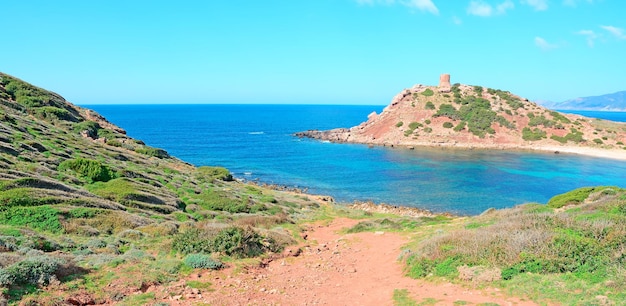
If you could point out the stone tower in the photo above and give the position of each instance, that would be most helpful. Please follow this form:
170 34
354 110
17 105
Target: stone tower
444 83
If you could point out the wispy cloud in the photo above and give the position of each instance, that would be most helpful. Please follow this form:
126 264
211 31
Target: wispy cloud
484 9
590 35
544 45
615 31
422 5
456 20
538 5
574 3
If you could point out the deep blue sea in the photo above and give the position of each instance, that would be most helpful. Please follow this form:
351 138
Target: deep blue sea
255 142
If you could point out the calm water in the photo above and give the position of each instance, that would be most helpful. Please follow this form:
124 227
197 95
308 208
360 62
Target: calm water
256 142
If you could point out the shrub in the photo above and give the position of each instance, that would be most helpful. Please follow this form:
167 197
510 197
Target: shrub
150 151
399 124
478 90
51 112
232 241
447 110
430 105
202 261
92 170
576 196
413 125
598 141
460 126
532 135
39 217
428 92
208 174
448 125
38 270
90 126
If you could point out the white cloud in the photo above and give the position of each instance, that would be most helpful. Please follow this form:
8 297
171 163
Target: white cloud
504 6
484 9
479 8
544 45
574 3
457 20
422 5
538 5
615 31
590 35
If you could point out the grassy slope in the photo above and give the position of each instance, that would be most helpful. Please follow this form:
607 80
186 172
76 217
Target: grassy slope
83 207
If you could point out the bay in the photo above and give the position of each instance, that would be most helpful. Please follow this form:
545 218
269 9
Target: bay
256 142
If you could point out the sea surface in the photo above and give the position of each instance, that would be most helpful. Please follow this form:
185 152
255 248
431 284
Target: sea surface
255 142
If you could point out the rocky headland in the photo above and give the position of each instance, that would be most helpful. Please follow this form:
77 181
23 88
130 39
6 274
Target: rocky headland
472 117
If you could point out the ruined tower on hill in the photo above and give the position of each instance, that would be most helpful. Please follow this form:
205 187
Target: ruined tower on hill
444 83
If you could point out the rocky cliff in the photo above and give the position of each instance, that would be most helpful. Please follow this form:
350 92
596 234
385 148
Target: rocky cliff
476 117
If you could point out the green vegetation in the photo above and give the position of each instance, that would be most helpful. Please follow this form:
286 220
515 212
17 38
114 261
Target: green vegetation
577 196
428 92
429 105
202 261
92 170
150 151
579 248
533 135
574 136
399 124
448 125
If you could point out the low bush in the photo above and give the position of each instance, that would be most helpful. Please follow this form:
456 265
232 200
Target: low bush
45 218
430 105
38 270
92 170
399 124
532 135
208 174
577 196
202 261
428 92
231 241
150 151
448 125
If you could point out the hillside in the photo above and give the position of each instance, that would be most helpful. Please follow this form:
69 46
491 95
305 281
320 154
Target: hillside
609 102
476 117
77 194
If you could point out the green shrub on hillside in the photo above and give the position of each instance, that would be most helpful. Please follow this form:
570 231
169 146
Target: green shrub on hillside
579 195
150 151
90 126
448 125
575 136
430 105
459 127
208 174
532 135
399 124
428 92
92 170
447 110
51 112
202 261
231 241
39 270
45 218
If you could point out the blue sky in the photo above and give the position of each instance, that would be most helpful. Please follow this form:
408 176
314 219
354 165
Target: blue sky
311 51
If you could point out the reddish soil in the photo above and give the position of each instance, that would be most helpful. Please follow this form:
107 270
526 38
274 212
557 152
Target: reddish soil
331 269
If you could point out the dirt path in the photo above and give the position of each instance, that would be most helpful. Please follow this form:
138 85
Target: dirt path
332 269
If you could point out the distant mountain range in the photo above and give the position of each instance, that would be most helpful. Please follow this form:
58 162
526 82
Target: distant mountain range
609 102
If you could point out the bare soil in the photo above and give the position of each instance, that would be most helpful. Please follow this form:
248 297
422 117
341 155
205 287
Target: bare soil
329 268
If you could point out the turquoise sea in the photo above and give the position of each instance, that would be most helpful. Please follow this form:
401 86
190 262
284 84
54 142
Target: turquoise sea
255 142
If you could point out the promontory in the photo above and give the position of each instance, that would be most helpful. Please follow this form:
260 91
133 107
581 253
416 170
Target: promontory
466 116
